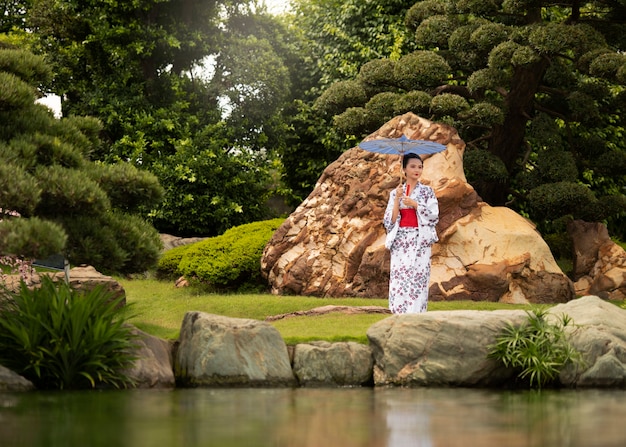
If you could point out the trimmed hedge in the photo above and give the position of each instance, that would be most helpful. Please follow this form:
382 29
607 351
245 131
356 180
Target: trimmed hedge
230 261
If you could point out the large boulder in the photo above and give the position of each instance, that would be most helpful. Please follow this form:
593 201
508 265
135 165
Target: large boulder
216 351
450 348
494 254
333 244
599 333
441 348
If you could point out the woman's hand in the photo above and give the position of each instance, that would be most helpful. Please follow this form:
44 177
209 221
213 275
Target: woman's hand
399 194
408 202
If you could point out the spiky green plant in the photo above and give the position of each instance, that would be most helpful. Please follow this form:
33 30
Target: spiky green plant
61 338
538 349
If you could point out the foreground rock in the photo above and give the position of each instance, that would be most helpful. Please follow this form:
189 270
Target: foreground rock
440 348
434 349
220 351
599 333
333 243
11 381
153 367
332 364
450 348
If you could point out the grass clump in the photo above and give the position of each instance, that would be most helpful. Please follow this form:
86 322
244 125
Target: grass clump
538 349
61 338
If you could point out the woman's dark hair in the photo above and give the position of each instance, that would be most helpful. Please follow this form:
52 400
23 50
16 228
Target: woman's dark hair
407 157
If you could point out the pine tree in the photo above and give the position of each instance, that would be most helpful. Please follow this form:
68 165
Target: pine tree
53 198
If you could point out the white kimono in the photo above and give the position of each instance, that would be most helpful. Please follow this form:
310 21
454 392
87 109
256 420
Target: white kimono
410 248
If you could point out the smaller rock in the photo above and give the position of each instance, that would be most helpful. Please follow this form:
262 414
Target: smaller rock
181 282
599 263
86 278
153 367
333 364
11 381
323 310
170 241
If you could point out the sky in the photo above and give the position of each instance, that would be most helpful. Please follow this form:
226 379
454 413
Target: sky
277 6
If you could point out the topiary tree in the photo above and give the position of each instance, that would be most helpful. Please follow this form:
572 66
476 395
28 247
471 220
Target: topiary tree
53 198
535 88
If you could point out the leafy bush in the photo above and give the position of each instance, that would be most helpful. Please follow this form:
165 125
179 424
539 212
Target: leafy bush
167 267
58 337
537 349
227 262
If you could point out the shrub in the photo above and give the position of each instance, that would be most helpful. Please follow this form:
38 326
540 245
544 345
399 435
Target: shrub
167 268
537 349
61 338
227 262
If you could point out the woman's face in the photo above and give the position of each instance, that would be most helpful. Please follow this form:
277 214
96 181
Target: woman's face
413 170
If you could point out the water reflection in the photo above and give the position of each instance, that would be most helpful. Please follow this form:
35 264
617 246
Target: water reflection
388 417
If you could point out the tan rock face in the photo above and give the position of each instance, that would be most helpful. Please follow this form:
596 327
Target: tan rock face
333 243
599 263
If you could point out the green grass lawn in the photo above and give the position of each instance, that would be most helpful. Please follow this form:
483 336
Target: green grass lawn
158 308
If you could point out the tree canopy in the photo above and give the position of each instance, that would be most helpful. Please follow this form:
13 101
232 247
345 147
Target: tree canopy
189 90
53 197
535 88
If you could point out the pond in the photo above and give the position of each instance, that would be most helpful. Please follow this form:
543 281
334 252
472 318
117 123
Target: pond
359 417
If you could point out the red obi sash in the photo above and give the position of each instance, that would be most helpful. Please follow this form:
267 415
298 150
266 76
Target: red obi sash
408 217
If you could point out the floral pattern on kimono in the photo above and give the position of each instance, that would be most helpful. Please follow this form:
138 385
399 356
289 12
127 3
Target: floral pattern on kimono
410 248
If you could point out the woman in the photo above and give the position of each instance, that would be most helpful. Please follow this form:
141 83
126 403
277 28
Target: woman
410 219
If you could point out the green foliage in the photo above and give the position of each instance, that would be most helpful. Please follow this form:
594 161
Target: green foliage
114 242
210 190
188 90
14 93
539 95
340 96
27 66
354 121
169 261
59 338
18 187
448 104
126 186
421 70
382 107
537 350
30 238
308 150
54 198
482 165
340 36
70 190
415 101
550 200
230 261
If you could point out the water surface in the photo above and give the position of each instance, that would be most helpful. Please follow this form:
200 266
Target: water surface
387 417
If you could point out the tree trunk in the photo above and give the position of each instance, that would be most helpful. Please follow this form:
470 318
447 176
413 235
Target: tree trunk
507 140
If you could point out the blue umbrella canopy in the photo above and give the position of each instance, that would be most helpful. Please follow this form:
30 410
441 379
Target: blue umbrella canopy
401 146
